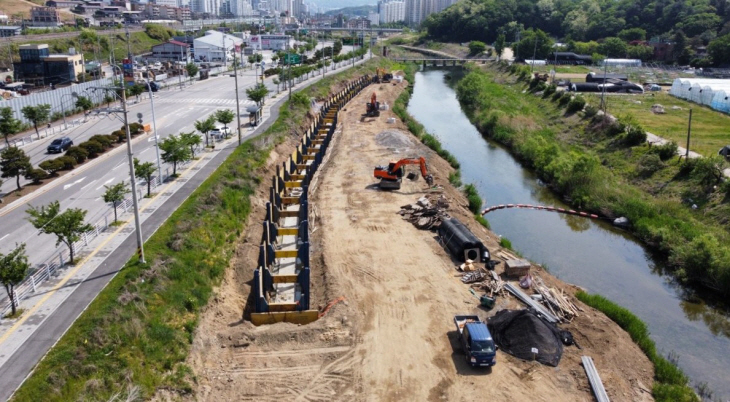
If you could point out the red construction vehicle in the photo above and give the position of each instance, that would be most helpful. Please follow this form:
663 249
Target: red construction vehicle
391 176
373 108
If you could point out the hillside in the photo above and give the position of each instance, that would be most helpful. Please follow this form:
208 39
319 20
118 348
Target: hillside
13 7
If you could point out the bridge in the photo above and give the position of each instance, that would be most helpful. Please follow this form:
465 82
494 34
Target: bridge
441 62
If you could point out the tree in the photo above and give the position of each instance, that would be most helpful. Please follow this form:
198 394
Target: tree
640 52
613 47
36 175
67 226
719 50
14 163
145 170
476 47
114 194
192 140
192 69
136 90
527 46
85 103
205 126
175 151
277 82
258 93
499 45
37 115
225 116
632 34
9 125
13 269
52 165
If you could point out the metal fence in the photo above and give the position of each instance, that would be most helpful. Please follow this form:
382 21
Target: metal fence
42 133
60 99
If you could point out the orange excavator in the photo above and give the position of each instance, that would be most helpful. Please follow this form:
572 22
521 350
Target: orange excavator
373 108
391 176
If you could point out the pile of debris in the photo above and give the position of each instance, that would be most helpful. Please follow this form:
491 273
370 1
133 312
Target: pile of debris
425 213
556 301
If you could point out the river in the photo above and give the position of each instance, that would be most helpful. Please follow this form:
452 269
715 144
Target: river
591 254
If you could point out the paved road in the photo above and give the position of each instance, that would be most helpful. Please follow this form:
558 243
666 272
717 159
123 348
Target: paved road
51 322
175 112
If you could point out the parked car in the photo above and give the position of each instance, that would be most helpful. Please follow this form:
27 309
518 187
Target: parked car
154 87
59 145
476 341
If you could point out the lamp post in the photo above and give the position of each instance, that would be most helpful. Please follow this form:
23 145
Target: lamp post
238 104
63 108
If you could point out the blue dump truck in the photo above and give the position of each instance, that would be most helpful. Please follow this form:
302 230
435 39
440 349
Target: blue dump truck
476 341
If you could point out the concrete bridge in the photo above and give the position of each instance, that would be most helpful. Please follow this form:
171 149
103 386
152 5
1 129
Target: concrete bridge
435 62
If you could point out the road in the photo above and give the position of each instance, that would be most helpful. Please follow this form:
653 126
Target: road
25 342
175 112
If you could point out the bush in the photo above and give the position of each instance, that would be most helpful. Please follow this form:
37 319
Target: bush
52 165
557 95
666 151
475 201
120 135
68 162
36 175
78 153
94 148
590 111
134 129
635 135
549 90
649 164
576 104
565 98
534 83
505 243
104 140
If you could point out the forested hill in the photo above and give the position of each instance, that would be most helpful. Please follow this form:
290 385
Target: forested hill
698 22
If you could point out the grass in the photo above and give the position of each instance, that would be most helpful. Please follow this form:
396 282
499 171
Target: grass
138 330
671 384
709 127
18 312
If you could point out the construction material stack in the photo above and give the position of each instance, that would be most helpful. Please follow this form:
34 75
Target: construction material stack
281 283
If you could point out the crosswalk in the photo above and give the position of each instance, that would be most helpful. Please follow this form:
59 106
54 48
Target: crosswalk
208 101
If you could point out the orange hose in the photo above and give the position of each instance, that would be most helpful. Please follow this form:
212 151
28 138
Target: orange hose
330 304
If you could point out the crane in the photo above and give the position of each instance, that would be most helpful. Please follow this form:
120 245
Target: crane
391 176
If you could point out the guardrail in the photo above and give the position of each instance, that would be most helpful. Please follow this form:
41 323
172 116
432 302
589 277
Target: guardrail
43 133
281 280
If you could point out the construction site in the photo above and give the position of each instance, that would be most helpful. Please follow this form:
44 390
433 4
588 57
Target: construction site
354 264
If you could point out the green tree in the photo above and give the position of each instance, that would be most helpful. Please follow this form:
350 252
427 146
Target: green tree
37 115
14 163
67 226
175 151
192 69
114 194
136 90
640 52
225 116
258 93
192 140
35 175
499 45
13 269
632 34
205 126
52 165
9 125
527 46
145 170
719 50
84 103
476 47
613 47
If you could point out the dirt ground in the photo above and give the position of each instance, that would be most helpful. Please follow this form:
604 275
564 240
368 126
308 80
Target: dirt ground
393 338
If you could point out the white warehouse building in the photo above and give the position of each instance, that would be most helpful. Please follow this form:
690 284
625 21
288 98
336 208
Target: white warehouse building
269 42
215 46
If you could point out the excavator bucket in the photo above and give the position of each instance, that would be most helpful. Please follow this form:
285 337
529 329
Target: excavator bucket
390 184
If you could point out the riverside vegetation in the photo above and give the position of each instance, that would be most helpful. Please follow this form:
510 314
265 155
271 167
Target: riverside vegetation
135 336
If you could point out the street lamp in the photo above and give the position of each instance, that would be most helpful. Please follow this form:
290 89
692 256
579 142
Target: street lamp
235 75
63 109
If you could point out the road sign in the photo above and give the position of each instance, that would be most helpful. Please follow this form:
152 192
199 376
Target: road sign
290 58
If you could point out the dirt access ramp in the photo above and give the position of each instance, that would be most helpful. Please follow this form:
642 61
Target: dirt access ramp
393 338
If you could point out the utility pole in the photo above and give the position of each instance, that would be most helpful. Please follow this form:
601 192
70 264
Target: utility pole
288 56
534 53
238 105
137 225
689 132
182 69
603 88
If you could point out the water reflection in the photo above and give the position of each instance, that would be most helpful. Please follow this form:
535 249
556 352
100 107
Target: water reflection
590 253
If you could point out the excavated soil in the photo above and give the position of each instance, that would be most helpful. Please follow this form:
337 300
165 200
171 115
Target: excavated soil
393 337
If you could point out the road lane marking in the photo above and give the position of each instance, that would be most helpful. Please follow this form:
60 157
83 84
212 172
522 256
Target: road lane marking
67 186
145 150
118 166
105 183
90 183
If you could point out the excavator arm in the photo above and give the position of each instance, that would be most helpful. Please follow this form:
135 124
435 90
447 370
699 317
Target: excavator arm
390 176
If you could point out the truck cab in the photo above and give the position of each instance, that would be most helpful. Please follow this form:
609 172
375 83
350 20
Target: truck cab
476 341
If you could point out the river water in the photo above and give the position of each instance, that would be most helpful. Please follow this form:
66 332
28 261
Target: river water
591 254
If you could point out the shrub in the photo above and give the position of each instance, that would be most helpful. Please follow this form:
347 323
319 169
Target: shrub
120 135
94 148
556 96
56 116
549 90
103 140
134 128
505 243
534 82
666 151
475 201
78 153
649 164
68 162
565 98
635 135
52 165
576 104
590 111
708 171
541 86
36 175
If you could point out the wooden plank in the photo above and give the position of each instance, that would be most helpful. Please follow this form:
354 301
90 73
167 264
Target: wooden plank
294 317
308 157
285 254
292 184
289 200
288 231
289 214
284 278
